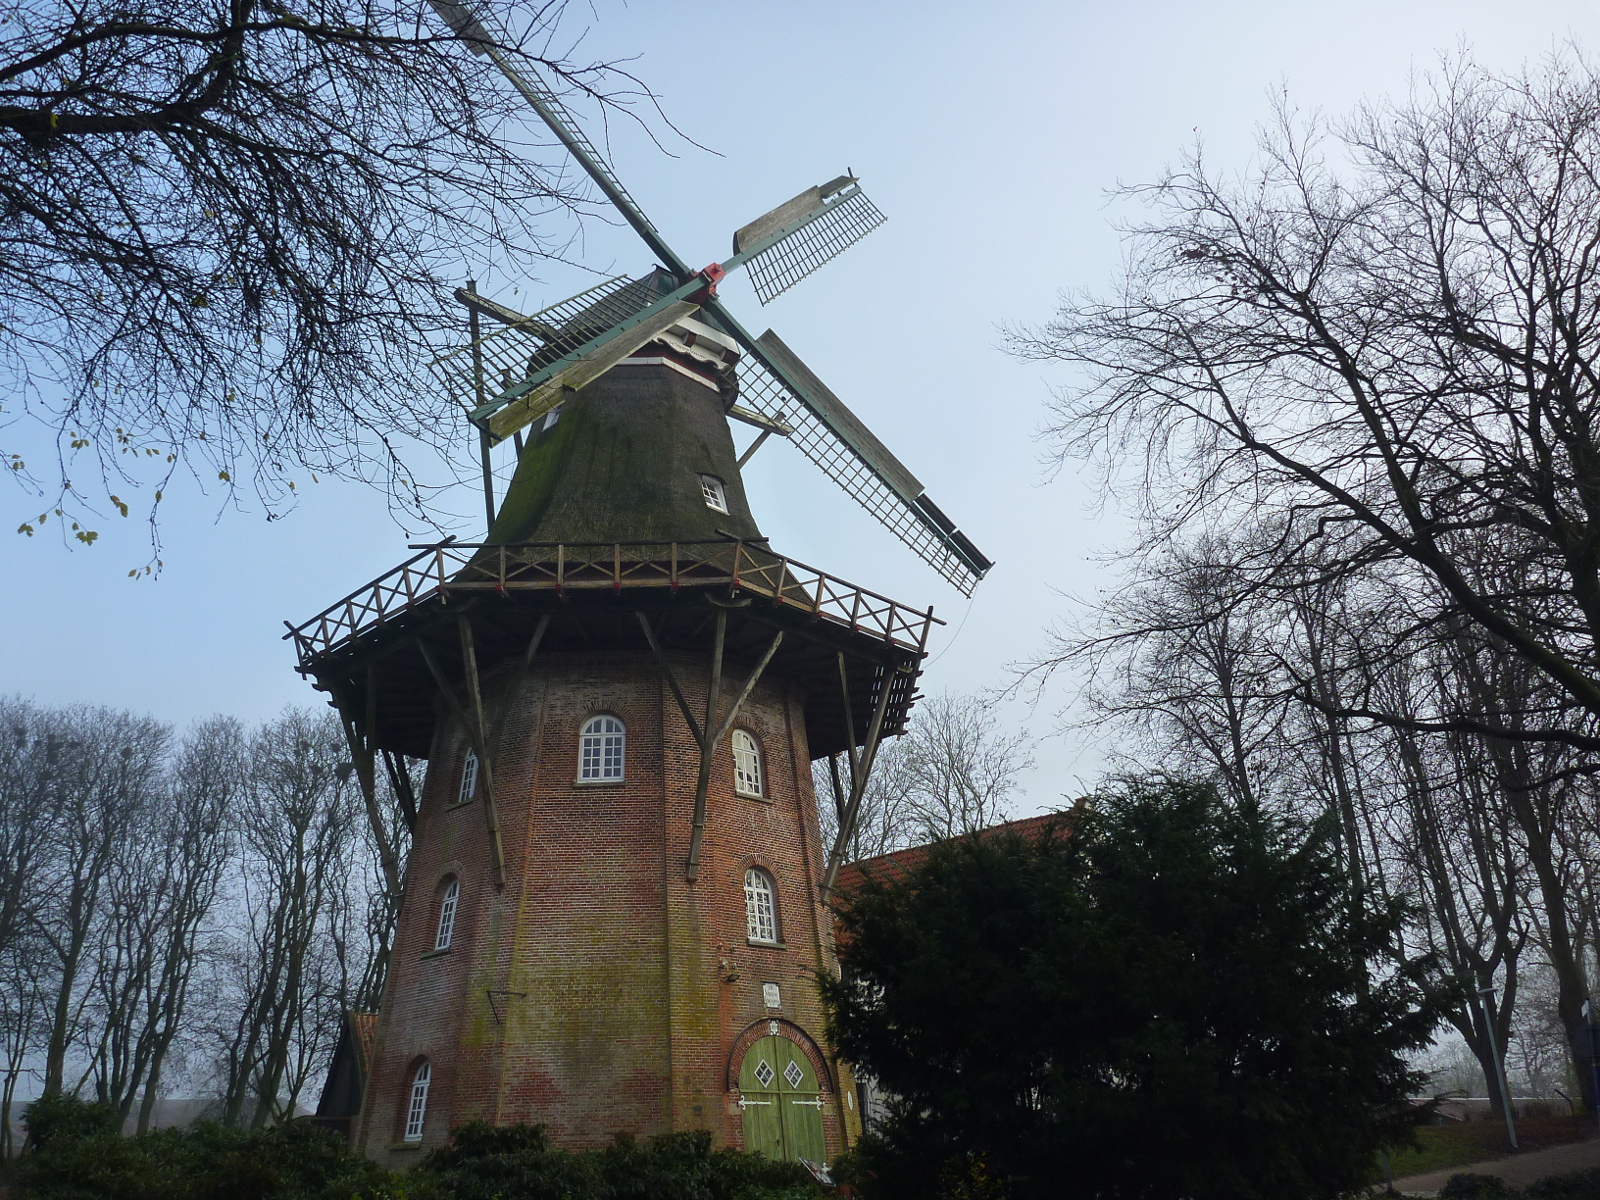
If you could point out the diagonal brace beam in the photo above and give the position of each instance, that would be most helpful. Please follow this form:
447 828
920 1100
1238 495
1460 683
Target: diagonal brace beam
672 681
473 724
858 783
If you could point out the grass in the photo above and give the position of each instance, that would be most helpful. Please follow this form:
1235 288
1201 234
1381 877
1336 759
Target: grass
1442 1146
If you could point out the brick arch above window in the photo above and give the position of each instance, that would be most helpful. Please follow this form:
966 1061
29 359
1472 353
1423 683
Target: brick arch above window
776 1027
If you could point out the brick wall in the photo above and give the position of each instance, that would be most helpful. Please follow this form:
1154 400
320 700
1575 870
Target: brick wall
599 992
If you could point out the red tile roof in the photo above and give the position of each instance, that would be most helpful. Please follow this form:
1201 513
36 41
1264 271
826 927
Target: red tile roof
364 1033
899 863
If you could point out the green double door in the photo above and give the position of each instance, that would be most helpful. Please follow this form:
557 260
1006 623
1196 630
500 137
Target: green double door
782 1103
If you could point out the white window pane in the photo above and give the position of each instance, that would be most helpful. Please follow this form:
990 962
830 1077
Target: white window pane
419 1103
447 915
600 749
469 778
746 764
711 489
760 917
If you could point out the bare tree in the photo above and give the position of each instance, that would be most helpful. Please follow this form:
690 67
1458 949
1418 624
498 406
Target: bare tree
293 977
100 769
1400 352
228 226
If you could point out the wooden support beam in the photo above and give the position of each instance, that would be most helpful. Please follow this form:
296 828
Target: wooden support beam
475 736
838 787
753 447
858 783
708 750
358 736
698 829
515 689
405 793
707 733
849 719
744 692
672 680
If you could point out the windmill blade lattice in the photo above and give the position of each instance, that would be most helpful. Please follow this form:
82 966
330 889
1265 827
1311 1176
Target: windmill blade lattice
511 354
762 391
845 221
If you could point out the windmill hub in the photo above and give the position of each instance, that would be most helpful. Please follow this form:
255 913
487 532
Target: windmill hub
696 350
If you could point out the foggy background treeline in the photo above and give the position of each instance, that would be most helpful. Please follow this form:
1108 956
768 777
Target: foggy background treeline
183 914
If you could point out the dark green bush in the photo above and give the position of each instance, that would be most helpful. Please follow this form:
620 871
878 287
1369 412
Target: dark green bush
516 1162
77 1155
1467 1186
62 1119
1581 1185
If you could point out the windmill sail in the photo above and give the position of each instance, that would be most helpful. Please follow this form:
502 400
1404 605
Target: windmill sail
781 394
814 228
501 377
776 384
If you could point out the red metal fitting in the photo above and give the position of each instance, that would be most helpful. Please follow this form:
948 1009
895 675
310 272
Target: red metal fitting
712 274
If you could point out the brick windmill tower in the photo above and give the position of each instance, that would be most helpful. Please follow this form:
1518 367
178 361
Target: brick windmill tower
615 897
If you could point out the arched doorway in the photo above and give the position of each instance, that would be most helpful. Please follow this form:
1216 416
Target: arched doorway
782 1102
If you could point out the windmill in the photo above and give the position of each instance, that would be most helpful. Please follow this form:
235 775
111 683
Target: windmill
616 893
534 361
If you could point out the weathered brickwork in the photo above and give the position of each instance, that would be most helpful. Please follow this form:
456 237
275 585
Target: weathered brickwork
598 991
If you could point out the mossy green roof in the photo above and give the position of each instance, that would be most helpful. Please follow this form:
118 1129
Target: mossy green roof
623 463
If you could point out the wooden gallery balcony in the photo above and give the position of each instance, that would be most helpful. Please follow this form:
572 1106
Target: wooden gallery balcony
841 642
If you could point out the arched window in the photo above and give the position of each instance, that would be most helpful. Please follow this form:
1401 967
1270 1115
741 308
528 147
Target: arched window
418 1108
469 778
447 914
746 764
760 906
600 749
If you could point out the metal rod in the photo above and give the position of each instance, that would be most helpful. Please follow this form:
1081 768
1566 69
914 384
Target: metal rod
474 330
1487 991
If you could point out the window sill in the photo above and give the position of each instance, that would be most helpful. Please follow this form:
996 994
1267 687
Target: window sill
766 945
459 804
600 783
437 952
753 796
406 1146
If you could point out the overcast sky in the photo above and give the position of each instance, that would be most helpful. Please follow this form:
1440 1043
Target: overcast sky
989 135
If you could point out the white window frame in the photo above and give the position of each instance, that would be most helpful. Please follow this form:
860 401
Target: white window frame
448 904
469 778
417 1110
760 907
747 779
602 750
714 493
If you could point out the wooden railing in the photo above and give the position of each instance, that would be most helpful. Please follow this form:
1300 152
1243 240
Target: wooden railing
447 569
